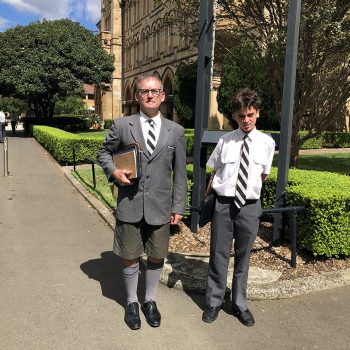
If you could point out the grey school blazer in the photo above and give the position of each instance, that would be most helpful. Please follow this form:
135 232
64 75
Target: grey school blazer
162 188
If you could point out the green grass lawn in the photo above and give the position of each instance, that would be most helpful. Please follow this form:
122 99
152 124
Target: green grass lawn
335 163
101 133
103 190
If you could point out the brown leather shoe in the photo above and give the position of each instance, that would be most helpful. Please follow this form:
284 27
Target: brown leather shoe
132 317
244 317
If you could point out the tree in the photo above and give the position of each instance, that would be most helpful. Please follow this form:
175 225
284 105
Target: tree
185 92
47 61
244 67
12 105
323 71
70 105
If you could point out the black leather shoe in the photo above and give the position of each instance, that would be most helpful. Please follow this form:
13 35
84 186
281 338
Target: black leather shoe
244 317
151 313
210 313
132 317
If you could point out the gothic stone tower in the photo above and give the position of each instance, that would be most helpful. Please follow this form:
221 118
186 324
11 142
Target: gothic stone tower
109 97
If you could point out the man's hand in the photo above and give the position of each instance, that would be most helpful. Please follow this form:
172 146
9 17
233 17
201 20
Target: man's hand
121 175
175 218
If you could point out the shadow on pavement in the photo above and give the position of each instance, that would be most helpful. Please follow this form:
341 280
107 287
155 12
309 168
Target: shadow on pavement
107 270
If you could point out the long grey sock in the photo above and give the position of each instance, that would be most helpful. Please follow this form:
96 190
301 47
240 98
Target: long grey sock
131 277
153 273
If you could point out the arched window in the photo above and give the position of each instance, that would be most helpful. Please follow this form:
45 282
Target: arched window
134 12
155 42
143 46
137 51
147 45
127 101
167 106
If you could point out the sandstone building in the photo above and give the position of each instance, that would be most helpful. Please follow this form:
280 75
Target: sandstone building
142 41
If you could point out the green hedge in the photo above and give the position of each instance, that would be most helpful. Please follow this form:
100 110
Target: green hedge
336 139
324 229
60 144
108 123
70 123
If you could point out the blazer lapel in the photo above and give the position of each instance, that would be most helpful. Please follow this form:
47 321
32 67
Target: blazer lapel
136 132
163 136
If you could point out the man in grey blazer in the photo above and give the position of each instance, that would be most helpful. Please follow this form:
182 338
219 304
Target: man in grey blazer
146 207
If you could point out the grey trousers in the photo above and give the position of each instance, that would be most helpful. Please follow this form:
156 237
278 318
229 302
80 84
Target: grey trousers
230 223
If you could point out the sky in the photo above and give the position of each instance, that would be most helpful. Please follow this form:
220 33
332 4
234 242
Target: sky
23 12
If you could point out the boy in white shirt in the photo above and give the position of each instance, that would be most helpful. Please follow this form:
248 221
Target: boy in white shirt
241 160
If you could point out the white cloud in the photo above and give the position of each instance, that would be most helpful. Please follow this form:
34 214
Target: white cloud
49 9
55 9
4 23
93 10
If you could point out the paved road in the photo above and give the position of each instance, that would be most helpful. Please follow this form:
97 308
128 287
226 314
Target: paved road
61 286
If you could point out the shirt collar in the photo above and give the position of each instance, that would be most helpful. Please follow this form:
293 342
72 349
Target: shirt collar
145 118
251 134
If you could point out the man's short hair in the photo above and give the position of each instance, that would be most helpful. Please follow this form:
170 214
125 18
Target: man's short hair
245 98
148 76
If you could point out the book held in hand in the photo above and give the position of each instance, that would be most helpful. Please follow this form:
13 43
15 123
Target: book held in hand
129 158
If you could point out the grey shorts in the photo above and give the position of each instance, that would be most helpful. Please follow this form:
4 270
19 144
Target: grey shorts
131 240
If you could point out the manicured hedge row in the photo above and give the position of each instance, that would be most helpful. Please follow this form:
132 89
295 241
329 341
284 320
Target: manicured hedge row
325 228
70 123
60 144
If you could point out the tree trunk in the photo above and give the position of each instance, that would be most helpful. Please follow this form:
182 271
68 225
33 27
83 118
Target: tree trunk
294 150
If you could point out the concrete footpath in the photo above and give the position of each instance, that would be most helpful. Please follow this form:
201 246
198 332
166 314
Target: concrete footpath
61 286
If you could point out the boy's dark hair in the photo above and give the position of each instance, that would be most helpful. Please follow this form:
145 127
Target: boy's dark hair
245 98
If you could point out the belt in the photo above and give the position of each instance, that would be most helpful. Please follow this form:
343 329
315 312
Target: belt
225 199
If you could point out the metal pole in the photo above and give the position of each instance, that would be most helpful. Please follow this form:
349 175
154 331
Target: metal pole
294 239
73 158
287 112
6 159
202 104
93 174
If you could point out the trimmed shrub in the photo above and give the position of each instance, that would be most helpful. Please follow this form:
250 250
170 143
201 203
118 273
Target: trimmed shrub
60 144
313 143
108 123
70 123
336 139
324 229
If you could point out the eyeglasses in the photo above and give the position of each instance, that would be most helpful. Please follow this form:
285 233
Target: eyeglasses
154 92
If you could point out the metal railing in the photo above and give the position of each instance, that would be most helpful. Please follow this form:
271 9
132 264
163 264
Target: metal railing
91 161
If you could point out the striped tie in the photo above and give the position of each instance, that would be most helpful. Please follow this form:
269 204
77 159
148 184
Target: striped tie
151 139
242 179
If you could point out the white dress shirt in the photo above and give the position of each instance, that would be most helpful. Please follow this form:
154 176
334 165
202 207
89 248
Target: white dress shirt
145 125
2 117
225 159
